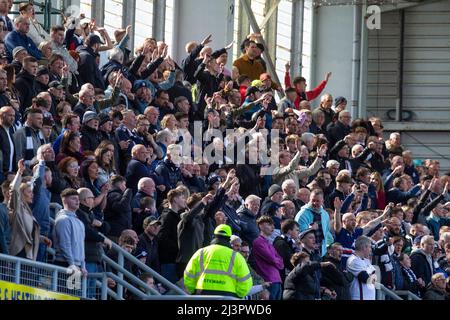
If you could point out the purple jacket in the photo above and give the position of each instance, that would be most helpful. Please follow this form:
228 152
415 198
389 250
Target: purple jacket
268 261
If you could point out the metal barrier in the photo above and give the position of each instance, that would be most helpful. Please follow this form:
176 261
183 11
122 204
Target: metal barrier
41 276
383 292
408 294
119 266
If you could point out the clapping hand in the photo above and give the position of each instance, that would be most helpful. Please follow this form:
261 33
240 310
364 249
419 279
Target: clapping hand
398 170
337 204
21 166
322 151
287 66
207 199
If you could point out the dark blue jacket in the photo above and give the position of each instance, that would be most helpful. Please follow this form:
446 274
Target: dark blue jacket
16 39
111 66
118 210
249 229
136 170
41 200
169 173
5 229
88 68
396 196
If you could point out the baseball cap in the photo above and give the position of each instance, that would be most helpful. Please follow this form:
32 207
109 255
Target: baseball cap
93 39
150 220
251 90
56 84
90 115
142 84
223 230
304 233
104 118
41 71
17 50
218 53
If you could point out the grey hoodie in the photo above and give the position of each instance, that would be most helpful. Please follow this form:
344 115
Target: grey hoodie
69 238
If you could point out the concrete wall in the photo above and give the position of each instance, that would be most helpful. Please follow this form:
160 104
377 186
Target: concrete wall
334 39
198 18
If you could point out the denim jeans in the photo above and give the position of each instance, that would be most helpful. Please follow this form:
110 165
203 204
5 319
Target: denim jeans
42 253
275 291
92 267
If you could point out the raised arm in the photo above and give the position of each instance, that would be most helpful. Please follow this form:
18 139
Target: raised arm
337 215
373 223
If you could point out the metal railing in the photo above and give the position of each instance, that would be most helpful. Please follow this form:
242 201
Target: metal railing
383 292
41 276
123 257
408 294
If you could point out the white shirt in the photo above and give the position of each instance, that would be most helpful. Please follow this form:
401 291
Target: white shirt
360 290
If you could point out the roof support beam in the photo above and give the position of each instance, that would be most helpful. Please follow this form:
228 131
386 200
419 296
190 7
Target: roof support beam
251 17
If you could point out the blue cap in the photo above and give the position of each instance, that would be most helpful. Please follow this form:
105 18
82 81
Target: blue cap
143 84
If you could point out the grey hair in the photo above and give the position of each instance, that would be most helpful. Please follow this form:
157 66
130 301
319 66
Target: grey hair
362 242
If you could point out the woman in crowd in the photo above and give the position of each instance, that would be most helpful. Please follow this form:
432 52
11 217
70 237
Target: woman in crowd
69 169
70 147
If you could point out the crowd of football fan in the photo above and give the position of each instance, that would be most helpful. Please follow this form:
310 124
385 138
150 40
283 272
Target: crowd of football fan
111 145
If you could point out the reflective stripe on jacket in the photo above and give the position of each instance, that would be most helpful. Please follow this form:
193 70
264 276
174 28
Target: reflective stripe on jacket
219 269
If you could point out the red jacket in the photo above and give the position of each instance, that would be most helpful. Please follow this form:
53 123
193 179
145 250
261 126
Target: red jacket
307 95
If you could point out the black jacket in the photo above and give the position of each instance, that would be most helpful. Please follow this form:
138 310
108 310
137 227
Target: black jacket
167 236
40 87
300 284
118 210
408 284
90 138
191 63
88 68
5 149
151 248
435 294
81 108
249 179
337 131
178 90
93 247
421 267
25 85
207 84
285 249
191 230
58 183
336 279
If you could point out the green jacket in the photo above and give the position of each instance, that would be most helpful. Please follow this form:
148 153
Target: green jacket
220 269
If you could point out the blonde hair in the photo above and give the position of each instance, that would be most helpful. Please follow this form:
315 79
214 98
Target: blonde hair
166 118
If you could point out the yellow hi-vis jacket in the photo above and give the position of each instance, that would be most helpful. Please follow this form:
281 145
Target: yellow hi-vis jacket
218 268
